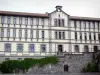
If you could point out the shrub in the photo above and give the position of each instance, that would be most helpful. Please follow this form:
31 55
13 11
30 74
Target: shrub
90 67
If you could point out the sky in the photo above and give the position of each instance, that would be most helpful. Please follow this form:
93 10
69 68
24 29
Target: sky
85 8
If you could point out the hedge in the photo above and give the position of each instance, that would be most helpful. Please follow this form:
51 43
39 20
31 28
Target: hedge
10 66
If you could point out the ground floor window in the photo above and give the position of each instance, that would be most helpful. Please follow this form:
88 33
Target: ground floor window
7 47
19 47
86 49
76 48
95 48
31 47
6 59
43 48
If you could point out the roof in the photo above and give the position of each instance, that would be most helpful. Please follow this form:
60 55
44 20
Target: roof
23 14
84 18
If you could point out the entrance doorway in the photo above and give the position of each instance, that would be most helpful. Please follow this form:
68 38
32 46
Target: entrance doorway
60 48
66 68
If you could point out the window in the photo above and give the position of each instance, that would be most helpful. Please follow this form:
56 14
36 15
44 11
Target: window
42 34
20 20
84 25
14 20
89 25
98 25
93 24
14 33
8 32
56 35
7 47
26 21
59 22
59 35
85 37
26 34
42 22
37 21
8 20
2 32
94 37
63 33
37 34
75 35
31 47
20 33
99 37
55 22
43 48
19 59
31 21
76 48
2 19
6 59
86 49
90 36
63 22
80 35
75 24
31 33
19 47
80 24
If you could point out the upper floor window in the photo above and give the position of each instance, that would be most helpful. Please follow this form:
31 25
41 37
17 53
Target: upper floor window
20 47
26 34
31 47
42 22
42 34
2 32
84 24
98 25
86 49
55 22
43 48
93 24
85 37
20 20
76 48
80 35
99 37
8 20
59 35
75 24
14 33
7 47
94 37
63 34
90 36
80 24
75 35
2 19
26 21
20 33
14 20
37 21
37 34
8 32
31 21
89 25
59 22
31 33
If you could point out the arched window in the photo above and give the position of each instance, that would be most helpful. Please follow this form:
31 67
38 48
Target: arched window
95 48
86 49
76 48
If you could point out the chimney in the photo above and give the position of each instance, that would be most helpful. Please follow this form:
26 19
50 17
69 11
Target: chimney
58 7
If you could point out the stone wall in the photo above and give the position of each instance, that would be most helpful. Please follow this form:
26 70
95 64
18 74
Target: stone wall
75 63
